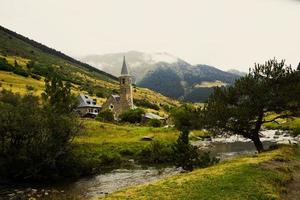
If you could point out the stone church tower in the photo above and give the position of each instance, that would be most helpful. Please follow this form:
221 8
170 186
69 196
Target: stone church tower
123 102
125 80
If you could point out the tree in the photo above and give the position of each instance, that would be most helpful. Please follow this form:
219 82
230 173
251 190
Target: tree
186 117
186 155
132 116
241 109
57 95
36 136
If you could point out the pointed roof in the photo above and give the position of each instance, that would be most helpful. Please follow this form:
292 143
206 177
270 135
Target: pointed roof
124 70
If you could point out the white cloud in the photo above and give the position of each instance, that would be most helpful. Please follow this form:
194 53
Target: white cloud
224 33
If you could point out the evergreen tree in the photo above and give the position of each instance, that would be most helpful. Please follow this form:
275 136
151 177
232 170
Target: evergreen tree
241 109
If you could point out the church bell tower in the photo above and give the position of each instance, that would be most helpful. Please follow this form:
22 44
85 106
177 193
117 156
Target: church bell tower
125 80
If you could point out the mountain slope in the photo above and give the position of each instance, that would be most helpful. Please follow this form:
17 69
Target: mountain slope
167 74
29 62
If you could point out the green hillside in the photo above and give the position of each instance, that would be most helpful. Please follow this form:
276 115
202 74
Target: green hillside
25 63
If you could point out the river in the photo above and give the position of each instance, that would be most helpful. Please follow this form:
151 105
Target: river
103 184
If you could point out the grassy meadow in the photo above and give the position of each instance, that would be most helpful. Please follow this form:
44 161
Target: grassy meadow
103 145
260 176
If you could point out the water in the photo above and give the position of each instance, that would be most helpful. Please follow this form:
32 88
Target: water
89 187
103 184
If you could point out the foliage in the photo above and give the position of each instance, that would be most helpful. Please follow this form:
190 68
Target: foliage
5 66
186 117
37 77
132 116
105 116
19 71
241 108
155 123
29 87
188 156
146 104
58 97
157 152
36 138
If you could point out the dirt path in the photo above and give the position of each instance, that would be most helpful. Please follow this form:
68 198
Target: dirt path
293 188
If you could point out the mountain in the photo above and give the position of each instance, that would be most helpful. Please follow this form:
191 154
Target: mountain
236 72
166 74
24 64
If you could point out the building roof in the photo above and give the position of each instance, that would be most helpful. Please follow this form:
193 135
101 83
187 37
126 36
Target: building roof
152 116
116 97
87 101
124 71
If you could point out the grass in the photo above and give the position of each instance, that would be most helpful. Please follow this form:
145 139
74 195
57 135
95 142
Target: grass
241 178
106 145
285 124
18 84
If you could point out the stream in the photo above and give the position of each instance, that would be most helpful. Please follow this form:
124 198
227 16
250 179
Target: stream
102 184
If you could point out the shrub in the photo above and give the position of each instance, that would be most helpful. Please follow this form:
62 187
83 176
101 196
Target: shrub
35 76
5 66
30 64
155 123
132 116
110 158
105 116
100 94
19 71
146 104
157 152
188 156
29 87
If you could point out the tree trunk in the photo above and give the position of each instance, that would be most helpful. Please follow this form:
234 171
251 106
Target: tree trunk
258 144
255 135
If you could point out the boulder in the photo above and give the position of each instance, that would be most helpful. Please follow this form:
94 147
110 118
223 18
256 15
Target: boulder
147 138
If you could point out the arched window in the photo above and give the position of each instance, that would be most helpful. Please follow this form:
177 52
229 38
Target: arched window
123 80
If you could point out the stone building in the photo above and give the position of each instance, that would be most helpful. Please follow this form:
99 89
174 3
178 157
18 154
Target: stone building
123 102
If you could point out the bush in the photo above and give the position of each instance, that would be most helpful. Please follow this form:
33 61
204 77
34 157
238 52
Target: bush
132 116
105 116
30 64
188 156
146 104
34 76
5 66
19 71
110 158
157 152
155 123
29 87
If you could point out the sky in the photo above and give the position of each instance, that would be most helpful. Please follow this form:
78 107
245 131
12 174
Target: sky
223 33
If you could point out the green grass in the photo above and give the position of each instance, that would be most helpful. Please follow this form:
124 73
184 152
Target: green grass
285 124
106 144
242 178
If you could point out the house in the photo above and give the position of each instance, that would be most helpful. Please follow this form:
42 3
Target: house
87 107
123 102
149 116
